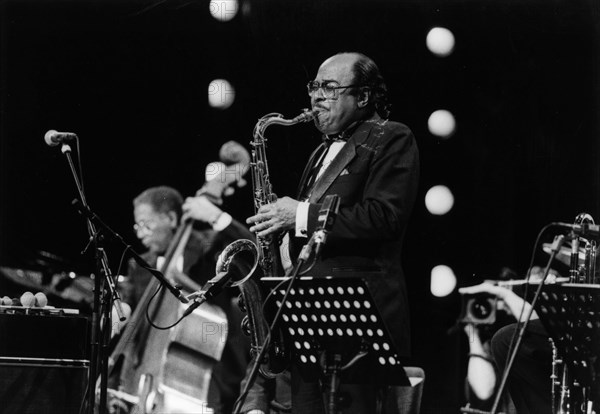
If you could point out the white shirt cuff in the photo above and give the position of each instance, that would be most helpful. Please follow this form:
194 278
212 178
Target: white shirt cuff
222 222
302 219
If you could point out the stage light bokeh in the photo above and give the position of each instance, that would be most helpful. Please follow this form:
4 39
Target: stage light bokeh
221 94
441 123
440 41
443 281
439 200
224 10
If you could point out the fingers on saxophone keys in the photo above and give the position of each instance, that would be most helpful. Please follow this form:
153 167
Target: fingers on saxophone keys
265 209
253 220
258 227
262 228
265 232
260 217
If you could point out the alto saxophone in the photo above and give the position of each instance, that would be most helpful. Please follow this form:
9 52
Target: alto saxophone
255 324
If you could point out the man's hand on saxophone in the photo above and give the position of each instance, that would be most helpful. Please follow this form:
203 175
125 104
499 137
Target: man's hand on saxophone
274 218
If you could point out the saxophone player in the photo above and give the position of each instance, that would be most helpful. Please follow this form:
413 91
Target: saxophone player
372 164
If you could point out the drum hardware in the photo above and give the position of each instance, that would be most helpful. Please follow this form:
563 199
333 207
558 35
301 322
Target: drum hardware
564 255
558 242
575 387
583 271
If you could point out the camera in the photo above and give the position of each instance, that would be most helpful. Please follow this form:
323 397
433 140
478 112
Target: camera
479 309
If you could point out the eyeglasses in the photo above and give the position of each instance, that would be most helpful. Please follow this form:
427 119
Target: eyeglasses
329 88
142 225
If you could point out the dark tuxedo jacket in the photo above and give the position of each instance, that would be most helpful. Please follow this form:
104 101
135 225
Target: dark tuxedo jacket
376 177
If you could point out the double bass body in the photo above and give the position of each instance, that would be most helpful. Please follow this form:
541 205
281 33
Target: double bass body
166 370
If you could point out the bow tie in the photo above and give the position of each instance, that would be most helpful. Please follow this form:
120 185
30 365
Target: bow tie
342 136
328 139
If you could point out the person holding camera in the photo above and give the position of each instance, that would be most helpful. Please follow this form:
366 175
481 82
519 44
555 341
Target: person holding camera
529 383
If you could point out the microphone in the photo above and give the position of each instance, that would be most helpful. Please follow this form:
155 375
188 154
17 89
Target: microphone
212 288
327 216
582 230
54 138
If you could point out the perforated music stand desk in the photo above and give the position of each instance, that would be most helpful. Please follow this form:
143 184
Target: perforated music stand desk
336 316
571 315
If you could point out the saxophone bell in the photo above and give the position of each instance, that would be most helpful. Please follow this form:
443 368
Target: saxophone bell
224 277
227 256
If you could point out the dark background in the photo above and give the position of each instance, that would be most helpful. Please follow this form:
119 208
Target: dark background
131 79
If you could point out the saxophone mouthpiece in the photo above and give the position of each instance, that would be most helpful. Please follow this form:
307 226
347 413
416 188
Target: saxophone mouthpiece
306 116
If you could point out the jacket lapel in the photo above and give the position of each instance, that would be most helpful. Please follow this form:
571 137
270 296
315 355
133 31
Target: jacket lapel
342 159
309 167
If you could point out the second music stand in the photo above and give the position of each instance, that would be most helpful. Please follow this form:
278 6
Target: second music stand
570 313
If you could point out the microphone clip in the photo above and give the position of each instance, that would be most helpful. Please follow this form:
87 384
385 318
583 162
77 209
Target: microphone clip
327 216
318 237
197 298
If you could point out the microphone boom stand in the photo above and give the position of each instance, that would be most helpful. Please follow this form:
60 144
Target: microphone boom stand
102 268
102 300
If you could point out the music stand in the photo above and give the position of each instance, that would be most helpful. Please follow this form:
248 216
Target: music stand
332 327
570 313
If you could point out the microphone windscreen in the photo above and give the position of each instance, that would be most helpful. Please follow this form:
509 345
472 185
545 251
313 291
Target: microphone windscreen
48 138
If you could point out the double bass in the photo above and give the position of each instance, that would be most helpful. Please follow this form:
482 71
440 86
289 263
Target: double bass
169 370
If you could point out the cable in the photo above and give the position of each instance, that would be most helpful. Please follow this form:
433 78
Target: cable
258 360
521 331
162 328
526 290
272 291
121 263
